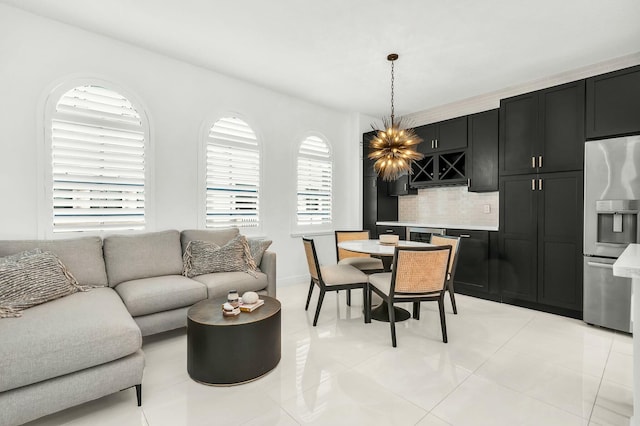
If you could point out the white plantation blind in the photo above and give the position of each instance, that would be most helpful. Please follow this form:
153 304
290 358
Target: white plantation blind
98 162
314 182
233 175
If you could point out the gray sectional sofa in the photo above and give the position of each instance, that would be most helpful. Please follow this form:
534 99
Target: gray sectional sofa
87 345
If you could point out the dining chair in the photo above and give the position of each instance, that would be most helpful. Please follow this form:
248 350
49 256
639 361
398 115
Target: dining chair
333 278
419 274
362 261
454 242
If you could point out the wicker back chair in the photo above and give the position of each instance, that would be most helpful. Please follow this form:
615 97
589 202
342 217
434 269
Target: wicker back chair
333 278
454 242
362 261
419 274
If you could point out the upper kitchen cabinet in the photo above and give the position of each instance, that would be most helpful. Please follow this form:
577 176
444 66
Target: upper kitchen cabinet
448 135
367 164
377 204
543 131
483 151
613 104
401 187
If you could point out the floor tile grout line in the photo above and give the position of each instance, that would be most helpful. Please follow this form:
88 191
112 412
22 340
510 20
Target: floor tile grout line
601 380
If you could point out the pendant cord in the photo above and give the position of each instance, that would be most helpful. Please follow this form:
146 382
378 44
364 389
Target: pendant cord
392 80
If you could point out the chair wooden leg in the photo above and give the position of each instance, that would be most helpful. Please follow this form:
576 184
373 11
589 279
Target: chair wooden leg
443 323
306 307
367 304
348 297
416 310
320 299
453 299
392 323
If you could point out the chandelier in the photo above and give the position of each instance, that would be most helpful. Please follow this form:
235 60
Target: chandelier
392 148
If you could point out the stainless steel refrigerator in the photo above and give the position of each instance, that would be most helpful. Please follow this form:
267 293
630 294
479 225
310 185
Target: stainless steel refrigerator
611 206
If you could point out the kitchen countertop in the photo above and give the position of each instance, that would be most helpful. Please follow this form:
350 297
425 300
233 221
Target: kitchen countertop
628 264
440 225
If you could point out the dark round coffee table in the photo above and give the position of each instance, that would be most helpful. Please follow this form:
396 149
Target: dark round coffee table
226 351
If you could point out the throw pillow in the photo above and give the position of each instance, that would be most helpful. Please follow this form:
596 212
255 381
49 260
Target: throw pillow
30 278
204 257
257 248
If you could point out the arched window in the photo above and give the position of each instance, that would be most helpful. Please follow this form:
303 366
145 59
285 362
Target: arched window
233 175
98 142
314 189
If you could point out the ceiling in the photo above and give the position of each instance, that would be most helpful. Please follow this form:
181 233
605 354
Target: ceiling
333 52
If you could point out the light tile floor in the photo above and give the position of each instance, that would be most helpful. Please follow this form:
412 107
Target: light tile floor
503 365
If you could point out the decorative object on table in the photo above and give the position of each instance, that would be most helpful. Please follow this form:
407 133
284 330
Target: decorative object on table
230 311
390 240
250 297
233 298
393 147
250 307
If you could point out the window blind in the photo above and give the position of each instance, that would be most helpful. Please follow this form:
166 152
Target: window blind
314 183
98 162
233 175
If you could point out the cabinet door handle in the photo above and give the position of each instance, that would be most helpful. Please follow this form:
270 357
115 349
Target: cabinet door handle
432 144
405 186
436 143
540 161
540 184
533 162
533 184
465 236
388 231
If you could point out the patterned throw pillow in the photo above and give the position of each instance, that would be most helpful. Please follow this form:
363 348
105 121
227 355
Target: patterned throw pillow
30 278
258 247
204 257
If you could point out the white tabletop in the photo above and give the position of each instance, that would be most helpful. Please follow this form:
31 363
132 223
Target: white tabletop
374 247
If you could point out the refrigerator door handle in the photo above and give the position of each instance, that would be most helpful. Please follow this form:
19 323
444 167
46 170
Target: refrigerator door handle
600 265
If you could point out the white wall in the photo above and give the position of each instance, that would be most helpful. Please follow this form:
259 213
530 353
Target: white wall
36 53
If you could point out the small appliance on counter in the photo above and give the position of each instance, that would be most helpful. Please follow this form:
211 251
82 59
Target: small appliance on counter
611 223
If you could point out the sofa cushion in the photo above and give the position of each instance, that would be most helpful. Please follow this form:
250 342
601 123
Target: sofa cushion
219 283
82 256
157 294
218 236
152 254
30 278
66 335
203 257
258 246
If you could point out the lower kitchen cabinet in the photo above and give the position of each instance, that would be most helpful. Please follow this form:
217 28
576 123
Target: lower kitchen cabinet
400 231
475 269
540 241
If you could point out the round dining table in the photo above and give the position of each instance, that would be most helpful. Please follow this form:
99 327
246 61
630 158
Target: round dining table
385 253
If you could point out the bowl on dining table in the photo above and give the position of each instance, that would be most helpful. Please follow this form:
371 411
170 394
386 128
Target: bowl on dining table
388 239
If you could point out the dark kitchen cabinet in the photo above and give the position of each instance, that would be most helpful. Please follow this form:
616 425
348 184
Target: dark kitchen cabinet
401 187
543 131
540 241
367 164
448 135
439 170
613 104
482 154
377 204
400 231
472 270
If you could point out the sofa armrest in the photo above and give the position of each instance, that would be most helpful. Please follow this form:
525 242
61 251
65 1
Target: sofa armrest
268 266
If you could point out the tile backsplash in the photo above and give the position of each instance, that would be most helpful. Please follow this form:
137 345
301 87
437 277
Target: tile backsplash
449 205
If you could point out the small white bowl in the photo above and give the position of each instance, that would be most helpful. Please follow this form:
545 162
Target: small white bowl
389 239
